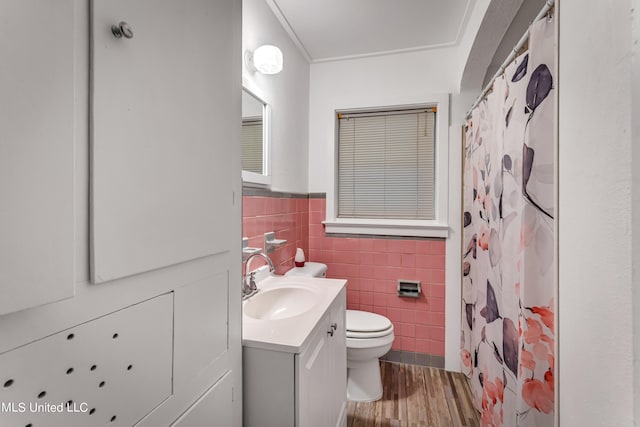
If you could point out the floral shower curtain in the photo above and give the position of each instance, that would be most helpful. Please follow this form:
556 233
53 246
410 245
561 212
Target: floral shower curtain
508 320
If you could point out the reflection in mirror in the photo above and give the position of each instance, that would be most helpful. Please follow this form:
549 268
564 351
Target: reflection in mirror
254 139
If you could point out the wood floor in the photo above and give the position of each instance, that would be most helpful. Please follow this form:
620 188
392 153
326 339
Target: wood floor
416 396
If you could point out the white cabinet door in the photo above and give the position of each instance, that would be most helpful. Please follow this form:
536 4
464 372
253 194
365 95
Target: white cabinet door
322 371
337 396
161 157
314 379
36 152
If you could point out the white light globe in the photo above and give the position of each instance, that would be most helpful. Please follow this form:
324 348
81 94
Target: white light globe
268 59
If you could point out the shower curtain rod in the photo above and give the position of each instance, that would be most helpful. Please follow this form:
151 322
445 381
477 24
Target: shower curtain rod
547 6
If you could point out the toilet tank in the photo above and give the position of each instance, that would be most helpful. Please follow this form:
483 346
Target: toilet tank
310 269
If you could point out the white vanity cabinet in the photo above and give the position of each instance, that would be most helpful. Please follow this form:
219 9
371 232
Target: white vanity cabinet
303 389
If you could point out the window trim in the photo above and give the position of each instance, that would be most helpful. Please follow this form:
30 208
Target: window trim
438 227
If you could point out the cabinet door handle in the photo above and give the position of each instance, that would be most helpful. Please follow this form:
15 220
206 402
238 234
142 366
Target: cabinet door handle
122 29
334 326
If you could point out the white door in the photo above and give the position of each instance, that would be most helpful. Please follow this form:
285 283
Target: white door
36 152
164 167
161 157
165 189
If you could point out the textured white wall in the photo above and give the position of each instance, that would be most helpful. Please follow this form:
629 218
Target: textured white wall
595 205
635 134
286 92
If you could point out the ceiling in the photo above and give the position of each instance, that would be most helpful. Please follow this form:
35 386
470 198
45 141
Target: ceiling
327 30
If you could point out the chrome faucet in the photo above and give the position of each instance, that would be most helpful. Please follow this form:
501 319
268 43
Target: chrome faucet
249 286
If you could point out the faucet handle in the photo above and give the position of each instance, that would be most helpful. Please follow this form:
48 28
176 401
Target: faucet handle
246 289
252 281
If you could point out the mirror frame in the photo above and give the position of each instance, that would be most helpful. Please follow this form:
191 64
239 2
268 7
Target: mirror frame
252 178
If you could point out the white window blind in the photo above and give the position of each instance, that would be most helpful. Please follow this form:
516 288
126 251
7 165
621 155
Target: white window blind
386 165
252 157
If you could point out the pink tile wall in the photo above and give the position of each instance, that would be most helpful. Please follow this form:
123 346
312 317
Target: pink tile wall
372 266
288 217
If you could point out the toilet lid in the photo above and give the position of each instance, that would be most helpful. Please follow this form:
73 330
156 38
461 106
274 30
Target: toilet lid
368 323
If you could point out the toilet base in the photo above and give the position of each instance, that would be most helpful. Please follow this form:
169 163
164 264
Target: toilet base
364 383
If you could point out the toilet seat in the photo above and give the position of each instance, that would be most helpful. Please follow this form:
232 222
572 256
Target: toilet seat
368 335
365 325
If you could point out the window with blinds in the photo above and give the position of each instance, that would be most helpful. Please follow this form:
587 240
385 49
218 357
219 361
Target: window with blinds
252 156
386 164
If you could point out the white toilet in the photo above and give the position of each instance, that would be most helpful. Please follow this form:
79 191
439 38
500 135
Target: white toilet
369 337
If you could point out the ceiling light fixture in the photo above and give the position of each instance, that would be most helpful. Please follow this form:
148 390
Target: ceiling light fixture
266 59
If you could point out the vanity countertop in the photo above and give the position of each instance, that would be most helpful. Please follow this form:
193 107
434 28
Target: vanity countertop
289 334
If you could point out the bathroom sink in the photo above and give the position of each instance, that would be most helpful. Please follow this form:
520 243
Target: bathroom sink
280 303
282 315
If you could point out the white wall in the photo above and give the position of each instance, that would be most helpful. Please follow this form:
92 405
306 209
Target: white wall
520 23
635 179
487 27
386 80
468 72
251 107
286 92
595 230
401 79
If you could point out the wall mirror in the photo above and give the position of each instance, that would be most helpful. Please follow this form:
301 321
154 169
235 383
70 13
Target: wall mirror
255 139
